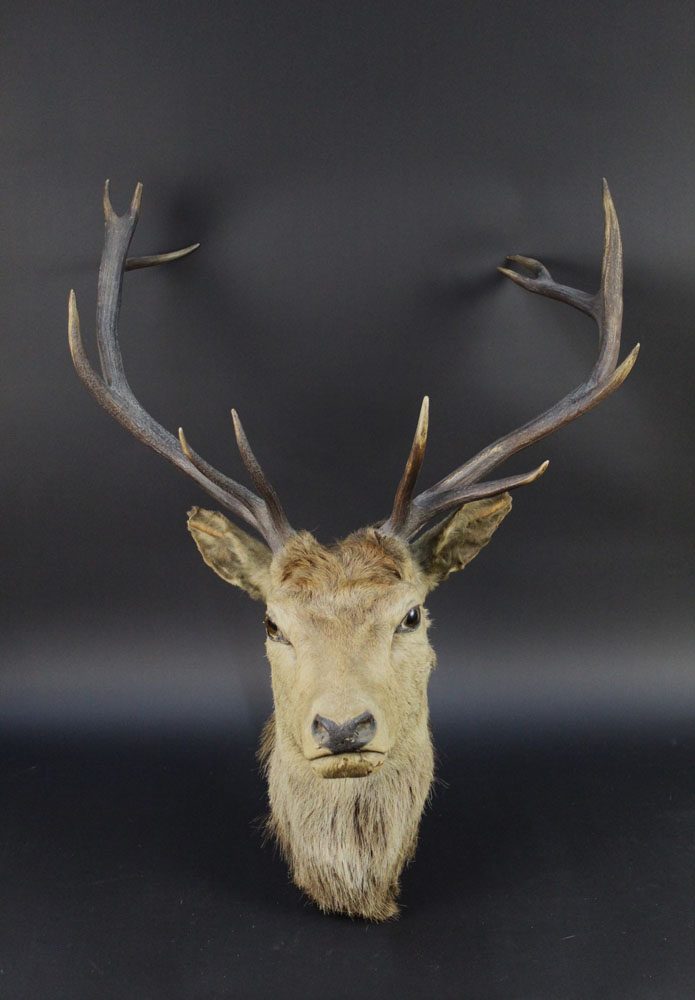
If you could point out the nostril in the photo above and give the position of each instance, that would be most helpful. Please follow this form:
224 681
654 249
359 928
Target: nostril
344 737
361 729
322 728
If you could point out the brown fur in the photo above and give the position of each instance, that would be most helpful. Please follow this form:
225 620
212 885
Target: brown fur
364 559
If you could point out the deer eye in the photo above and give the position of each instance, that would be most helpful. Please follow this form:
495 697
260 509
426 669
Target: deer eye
273 631
411 620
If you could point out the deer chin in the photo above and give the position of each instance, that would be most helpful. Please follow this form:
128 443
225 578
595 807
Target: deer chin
356 764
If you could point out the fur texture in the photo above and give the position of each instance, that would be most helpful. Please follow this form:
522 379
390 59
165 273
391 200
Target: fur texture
341 644
346 841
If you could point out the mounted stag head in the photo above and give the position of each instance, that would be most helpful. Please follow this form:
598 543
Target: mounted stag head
348 752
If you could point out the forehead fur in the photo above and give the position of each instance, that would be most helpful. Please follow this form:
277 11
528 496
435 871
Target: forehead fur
364 560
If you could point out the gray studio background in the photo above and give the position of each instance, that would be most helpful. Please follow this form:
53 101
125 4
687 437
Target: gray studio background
354 173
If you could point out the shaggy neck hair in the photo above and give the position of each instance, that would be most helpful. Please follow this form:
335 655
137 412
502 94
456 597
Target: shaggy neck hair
346 840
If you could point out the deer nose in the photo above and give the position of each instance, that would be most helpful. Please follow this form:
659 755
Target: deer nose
344 737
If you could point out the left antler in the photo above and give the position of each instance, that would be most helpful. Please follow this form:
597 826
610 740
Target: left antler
263 511
462 485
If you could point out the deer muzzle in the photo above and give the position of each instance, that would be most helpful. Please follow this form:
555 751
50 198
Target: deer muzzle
351 748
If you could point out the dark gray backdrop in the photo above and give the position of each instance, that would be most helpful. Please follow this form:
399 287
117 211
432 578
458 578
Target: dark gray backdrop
354 173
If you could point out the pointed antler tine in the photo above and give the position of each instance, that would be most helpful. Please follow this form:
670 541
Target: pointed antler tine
404 493
75 342
612 264
280 524
216 477
108 207
134 263
608 205
479 490
608 303
247 456
537 473
90 379
438 503
185 447
529 282
616 379
74 333
79 355
135 203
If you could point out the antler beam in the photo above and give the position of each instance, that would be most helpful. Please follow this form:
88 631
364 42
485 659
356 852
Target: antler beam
463 484
263 512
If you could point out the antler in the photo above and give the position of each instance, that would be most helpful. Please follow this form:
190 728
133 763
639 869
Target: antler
263 512
462 485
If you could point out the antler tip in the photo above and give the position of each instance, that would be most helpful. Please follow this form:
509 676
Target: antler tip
108 207
136 201
523 280
73 317
609 207
238 429
623 370
424 419
508 273
607 197
242 441
531 477
152 260
184 443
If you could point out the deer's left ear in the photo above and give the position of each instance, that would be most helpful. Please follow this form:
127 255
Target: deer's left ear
452 544
235 556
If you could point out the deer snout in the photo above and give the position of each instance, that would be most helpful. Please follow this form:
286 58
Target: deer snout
343 737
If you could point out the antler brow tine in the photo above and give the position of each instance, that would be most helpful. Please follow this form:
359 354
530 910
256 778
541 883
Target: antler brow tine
606 308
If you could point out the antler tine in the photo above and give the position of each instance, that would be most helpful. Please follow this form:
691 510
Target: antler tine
259 479
135 263
113 392
605 307
404 493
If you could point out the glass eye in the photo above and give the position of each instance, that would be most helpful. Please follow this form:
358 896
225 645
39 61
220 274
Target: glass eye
411 620
273 631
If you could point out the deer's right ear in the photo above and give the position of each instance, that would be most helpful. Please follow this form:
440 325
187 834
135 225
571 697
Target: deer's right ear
235 556
451 544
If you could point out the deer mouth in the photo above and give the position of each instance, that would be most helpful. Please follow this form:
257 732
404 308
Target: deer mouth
350 764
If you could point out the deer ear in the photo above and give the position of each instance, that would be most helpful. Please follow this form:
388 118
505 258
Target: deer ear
452 544
235 556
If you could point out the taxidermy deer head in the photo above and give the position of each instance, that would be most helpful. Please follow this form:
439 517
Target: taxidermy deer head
347 752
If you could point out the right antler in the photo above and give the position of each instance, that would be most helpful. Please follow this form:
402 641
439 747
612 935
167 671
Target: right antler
263 512
462 485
